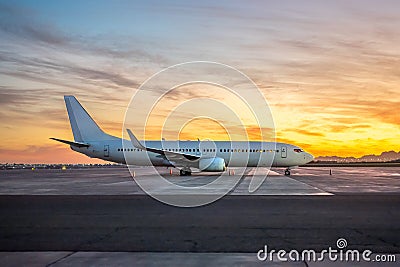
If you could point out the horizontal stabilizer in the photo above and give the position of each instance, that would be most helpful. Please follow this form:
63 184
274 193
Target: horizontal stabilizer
71 143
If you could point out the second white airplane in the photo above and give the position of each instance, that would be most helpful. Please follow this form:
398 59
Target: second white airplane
215 156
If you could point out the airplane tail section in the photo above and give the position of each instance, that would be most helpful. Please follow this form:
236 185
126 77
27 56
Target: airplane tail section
84 128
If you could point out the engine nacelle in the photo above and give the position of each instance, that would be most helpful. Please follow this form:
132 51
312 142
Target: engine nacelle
212 165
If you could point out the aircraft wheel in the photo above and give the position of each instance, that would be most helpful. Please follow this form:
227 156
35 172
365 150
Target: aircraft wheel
185 173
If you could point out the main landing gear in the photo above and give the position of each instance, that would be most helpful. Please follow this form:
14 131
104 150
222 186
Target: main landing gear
185 172
287 172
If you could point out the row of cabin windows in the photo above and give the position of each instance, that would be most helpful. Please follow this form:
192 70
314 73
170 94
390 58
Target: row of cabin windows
169 149
248 150
205 150
129 149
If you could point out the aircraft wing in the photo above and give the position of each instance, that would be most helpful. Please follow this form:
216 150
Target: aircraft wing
177 157
71 143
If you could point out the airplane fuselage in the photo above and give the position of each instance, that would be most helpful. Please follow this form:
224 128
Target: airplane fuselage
235 153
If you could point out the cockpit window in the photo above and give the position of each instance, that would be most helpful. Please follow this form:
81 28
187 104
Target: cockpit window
298 150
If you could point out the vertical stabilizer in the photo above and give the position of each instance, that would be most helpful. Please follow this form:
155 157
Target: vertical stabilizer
83 126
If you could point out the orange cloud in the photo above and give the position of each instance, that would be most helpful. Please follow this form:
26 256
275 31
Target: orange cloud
305 132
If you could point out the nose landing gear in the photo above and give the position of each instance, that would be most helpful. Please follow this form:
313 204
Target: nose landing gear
185 172
287 172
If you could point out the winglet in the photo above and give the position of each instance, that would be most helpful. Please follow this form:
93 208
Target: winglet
135 142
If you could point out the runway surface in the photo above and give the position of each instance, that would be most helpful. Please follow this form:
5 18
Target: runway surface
149 259
233 224
104 210
110 181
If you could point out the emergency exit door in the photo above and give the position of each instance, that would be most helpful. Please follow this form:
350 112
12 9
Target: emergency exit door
283 152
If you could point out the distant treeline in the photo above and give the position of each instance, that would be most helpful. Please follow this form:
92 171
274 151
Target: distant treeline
20 166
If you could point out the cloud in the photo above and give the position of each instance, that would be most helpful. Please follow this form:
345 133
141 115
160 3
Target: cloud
57 68
305 132
24 26
328 70
37 50
18 22
342 128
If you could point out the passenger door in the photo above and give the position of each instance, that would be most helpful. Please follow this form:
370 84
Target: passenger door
106 150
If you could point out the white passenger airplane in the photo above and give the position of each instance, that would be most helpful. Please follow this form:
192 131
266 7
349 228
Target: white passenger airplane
215 156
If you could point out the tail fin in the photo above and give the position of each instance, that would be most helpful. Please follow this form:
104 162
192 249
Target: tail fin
83 126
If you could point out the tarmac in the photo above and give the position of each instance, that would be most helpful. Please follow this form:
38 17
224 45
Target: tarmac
111 181
102 217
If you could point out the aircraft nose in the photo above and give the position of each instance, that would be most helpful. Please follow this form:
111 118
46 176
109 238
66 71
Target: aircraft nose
309 157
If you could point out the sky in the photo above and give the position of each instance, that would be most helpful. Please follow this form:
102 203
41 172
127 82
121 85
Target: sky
329 70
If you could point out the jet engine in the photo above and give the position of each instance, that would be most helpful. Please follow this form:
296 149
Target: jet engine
212 165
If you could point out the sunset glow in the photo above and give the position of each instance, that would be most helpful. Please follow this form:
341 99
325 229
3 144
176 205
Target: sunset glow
329 70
